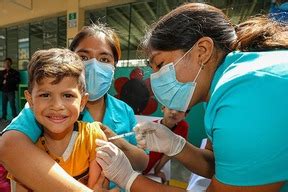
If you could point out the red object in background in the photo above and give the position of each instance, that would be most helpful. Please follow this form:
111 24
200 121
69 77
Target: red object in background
137 73
118 84
131 91
4 182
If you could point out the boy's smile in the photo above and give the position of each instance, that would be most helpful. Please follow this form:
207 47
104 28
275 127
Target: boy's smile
56 106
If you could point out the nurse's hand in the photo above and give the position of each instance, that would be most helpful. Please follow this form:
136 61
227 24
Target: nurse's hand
156 137
107 131
115 164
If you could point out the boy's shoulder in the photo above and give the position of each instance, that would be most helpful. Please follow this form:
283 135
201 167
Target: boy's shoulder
82 125
88 128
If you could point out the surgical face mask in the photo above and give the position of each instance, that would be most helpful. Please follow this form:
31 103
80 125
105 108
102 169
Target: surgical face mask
98 78
169 91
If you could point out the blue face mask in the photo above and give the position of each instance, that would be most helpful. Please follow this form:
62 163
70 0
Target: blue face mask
98 78
169 91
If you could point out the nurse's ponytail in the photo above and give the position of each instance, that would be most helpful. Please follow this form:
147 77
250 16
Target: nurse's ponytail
261 33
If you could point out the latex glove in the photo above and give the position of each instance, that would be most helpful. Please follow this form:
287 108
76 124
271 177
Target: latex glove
115 164
156 137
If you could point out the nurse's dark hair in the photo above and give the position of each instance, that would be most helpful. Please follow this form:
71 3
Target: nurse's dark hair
185 25
261 33
94 30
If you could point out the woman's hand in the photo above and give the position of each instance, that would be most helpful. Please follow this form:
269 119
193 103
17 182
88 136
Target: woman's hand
156 137
115 164
107 131
103 184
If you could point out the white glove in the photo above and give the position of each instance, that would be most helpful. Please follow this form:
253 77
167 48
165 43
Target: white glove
156 137
115 164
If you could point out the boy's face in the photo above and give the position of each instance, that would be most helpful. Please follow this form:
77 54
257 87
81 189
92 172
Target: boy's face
56 106
172 117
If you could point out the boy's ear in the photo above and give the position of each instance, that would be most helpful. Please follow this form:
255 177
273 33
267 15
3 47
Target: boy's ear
84 100
28 98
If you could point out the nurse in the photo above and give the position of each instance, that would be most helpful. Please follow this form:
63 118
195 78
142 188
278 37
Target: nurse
192 51
99 48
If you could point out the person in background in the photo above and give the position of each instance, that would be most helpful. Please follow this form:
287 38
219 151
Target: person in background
99 48
242 74
173 120
9 79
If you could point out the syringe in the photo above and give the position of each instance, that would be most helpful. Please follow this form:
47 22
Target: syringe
121 136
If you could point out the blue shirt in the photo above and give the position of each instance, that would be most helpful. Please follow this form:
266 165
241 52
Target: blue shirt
247 118
119 117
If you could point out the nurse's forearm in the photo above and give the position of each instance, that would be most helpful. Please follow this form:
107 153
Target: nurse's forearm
137 157
33 167
199 161
143 184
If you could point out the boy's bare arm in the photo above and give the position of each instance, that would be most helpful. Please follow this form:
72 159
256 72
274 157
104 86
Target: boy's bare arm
94 173
33 167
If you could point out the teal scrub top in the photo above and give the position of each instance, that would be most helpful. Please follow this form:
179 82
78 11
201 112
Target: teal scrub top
247 118
119 117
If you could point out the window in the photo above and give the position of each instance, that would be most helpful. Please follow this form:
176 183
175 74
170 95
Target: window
20 42
23 46
36 36
62 31
50 29
131 20
2 46
12 45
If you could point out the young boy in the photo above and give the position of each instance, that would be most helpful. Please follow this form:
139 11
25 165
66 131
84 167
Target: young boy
56 95
173 120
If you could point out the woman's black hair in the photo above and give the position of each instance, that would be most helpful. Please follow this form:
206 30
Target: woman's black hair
94 29
183 26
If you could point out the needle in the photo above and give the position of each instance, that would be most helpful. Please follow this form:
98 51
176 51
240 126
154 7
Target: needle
121 136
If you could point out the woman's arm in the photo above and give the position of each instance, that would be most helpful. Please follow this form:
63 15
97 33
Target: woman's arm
199 161
161 163
137 157
156 137
143 184
33 167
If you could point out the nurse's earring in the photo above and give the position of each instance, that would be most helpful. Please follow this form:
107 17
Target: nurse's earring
202 65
